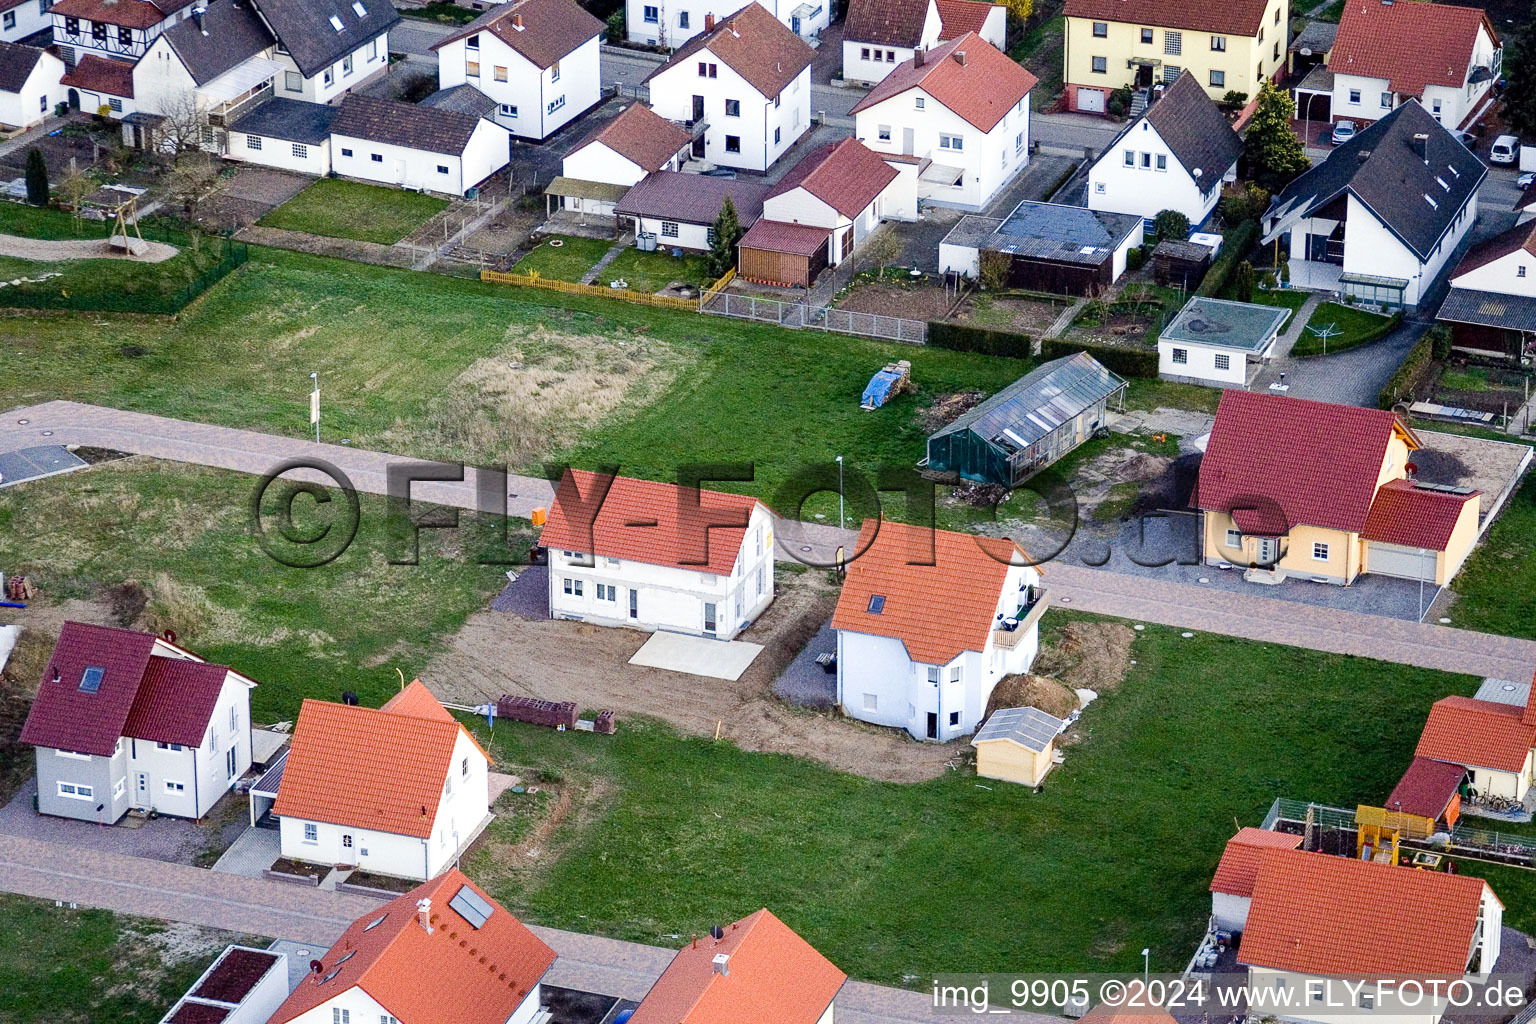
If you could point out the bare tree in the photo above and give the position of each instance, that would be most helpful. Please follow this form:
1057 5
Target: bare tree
883 247
75 187
184 124
193 179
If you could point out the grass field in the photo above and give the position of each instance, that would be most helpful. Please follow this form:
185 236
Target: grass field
653 271
86 966
1354 327
891 880
351 209
569 261
1496 588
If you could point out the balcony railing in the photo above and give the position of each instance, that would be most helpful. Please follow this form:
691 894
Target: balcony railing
1032 604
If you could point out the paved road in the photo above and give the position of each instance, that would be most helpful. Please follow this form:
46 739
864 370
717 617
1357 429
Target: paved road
263 906
1077 586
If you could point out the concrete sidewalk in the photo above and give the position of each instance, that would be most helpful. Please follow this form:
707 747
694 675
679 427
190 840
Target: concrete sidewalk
262 906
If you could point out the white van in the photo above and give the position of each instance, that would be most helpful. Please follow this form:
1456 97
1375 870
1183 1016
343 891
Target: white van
1505 149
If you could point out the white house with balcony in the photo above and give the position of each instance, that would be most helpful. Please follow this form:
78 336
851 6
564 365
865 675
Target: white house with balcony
1386 53
125 720
960 113
537 60
749 79
927 623
654 556
1382 216
672 23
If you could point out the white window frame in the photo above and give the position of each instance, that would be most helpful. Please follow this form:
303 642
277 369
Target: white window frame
871 702
1180 356
76 791
1234 539
311 832
1323 547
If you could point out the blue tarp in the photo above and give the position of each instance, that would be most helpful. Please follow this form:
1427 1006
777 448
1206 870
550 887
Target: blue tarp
879 389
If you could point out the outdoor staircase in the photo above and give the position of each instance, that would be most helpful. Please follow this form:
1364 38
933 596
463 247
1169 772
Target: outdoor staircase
1138 102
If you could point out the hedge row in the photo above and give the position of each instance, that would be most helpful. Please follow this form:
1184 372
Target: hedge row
1127 362
1234 249
961 338
1409 375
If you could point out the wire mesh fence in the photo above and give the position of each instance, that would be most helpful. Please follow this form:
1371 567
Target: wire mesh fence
823 318
162 288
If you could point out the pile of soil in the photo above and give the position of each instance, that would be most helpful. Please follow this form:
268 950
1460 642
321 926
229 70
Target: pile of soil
1088 655
947 408
980 495
1170 490
1144 466
1048 695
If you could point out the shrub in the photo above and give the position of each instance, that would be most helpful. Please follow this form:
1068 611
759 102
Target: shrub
1171 224
37 177
1409 375
1234 249
616 26
1127 362
1234 99
993 270
1135 258
964 338
1440 341
1243 282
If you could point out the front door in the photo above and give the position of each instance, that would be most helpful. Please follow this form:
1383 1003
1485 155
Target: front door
346 849
1269 550
698 108
709 618
141 789
908 141
229 763
933 725
847 246
794 24
74 100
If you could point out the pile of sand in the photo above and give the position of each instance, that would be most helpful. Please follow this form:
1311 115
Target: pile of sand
1048 695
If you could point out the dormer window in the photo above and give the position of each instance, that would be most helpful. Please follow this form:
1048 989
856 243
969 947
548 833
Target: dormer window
359 9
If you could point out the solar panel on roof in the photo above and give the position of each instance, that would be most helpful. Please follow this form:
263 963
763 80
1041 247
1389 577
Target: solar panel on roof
90 679
471 906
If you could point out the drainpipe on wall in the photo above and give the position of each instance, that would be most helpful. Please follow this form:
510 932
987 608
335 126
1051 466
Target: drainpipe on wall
197 804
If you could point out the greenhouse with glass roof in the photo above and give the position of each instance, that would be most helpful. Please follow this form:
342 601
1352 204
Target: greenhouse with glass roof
1028 425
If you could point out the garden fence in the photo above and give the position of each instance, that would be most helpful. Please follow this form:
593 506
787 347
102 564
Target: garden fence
599 291
133 300
823 318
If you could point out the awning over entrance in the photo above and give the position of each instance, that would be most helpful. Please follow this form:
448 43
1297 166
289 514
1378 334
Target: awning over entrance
578 188
240 79
942 174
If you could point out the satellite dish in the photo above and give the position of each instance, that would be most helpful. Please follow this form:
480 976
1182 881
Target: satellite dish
349 698
716 932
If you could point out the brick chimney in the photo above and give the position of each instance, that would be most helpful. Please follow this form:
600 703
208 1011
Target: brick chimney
1420 146
709 23
517 22
919 57
424 913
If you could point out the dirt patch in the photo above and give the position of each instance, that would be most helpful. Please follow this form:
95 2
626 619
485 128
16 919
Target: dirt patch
947 408
497 653
1088 655
541 389
1050 696
525 839
921 302
1027 316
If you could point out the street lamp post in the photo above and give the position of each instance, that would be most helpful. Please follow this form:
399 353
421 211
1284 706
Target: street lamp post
841 521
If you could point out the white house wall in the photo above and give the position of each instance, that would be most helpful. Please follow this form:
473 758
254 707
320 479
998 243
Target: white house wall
1450 105
862 69
333 80
989 160
667 597
486 152
1371 249
279 153
1230 912
19 22
464 804
1266 985
964 260
689 236
382 852
672 95
596 162
531 101
1514 274
1146 192
1200 364
677 21
38 94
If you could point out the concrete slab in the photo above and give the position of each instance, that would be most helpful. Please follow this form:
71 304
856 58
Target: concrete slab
497 783
299 955
41 461
1493 467
266 743
251 854
697 655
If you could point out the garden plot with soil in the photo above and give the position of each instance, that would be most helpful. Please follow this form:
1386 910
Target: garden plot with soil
1131 321
1484 388
1009 313
551 659
911 302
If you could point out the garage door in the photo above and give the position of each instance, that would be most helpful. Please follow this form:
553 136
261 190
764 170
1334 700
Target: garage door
1091 100
1394 560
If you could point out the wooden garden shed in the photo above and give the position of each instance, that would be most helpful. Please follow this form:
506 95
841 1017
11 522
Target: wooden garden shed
1017 745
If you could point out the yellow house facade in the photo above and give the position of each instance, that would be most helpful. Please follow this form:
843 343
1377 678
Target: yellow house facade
1228 47
1309 490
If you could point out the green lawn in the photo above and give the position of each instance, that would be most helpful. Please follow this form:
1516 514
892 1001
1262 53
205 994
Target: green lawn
1355 327
351 209
62 966
903 880
568 261
108 283
1496 588
653 271
1470 378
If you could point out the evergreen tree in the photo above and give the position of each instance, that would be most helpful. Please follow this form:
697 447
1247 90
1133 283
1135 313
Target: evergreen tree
1171 224
1275 153
1244 282
37 177
722 251
1520 73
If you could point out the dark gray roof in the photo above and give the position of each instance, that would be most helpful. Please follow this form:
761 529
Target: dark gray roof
305 29
404 124
1028 727
227 33
1037 403
465 99
1317 37
289 120
16 64
692 198
1223 323
1490 309
272 779
1381 168
1195 129
1065 234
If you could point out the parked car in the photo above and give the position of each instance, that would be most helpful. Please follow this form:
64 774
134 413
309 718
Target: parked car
1343 132
1467 139
1525 180
1506 148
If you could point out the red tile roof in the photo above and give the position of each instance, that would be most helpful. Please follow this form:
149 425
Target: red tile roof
1278 462
1318 914
845 175
1477 733
937 610
128 13
1234 17
886 22
962 16
101 74
1411 44
377 768
777 236
773 976
459 974
1426 788
982 90
645 521
641 135
175 701
141 694
1521 236
1106 1014
543 31
753 43
1239 864
1413 516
